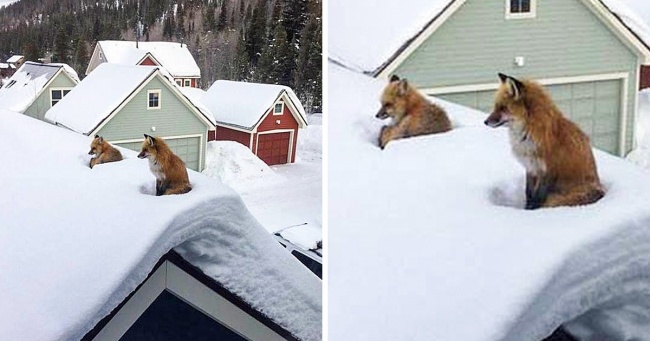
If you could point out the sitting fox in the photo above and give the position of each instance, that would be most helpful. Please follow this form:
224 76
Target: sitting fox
103 152
560 166
169 169
412 114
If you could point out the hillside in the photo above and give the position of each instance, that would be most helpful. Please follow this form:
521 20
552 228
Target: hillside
247 40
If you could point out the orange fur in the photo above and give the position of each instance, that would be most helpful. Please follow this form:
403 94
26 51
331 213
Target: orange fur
412 114
557 155
103 152
169 169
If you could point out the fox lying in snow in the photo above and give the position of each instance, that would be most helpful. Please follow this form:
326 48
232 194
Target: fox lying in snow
169 169
413 115
103 152
560 166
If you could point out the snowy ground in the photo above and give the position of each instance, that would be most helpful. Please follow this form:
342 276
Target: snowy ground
428 239
76 241
279 196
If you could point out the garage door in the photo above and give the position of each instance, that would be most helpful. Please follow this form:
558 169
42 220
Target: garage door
273 148
188 149
594 106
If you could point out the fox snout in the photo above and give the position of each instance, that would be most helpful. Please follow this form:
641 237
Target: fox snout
143 155
91 152
382 114
496 119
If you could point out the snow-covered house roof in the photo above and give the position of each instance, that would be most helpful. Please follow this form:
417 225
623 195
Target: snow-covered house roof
175 57
76 242
4 66
15 59
437 222
244 105
28 82
411 21
116 83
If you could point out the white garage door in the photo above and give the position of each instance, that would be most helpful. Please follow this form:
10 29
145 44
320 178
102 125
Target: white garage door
594 106
187 148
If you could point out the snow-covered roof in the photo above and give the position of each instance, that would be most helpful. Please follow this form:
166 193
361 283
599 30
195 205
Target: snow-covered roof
175 57
28 82
434 226
395 24
108 85
75 242
15 58
243 104
4 66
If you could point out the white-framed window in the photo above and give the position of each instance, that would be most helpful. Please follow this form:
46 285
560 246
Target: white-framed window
521 9
56 94
154 100
278 108
187 82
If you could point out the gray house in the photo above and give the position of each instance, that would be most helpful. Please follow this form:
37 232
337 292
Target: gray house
121 103
36 87
586 54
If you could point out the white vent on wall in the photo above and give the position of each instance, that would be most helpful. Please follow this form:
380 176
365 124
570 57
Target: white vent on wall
520 61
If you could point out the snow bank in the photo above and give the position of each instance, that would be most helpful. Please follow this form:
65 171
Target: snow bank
433 226
309 147
75 242
235 165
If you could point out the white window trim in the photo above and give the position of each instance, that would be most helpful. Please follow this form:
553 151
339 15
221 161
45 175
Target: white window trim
62 95
529 15
187 82
159 92
281 112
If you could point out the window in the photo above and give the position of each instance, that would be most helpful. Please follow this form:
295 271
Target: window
153 99
521 9
188 82
278 108
178 81
57 94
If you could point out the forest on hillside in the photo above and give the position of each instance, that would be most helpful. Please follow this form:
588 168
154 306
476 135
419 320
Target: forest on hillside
266 41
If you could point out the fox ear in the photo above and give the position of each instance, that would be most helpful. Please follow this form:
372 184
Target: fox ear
394 78
150 140
96 135
515 87
101 139
402 87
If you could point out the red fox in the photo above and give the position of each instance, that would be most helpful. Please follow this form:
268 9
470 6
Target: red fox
169 169
412 114
557 155
103 152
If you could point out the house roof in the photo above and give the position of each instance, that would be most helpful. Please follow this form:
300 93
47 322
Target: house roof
242 104
175 57
109 85
72 249
15 58
382 43
454 202
28 82
4 66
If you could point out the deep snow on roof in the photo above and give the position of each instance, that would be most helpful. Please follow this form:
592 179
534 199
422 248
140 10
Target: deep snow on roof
27 83
433 225
243 104
175 57
368 43
75 242
14 58
108 86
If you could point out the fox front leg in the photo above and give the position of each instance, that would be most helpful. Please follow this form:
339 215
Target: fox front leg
395 132
93 162
159 189
537 187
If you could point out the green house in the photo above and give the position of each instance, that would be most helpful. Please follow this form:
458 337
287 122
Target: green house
121 103
36 87
584 52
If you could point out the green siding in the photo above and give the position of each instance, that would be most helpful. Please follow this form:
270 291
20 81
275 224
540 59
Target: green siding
174 118
566 39
42 103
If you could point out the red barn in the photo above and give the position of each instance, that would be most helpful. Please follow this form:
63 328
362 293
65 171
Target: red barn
263 117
